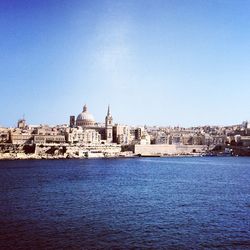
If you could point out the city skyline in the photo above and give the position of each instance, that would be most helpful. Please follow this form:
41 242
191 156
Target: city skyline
155 62
103 121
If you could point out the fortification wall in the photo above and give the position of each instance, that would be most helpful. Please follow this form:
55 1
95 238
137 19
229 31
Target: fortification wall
166 149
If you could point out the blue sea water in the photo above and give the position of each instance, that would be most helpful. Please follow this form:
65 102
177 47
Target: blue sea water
141 203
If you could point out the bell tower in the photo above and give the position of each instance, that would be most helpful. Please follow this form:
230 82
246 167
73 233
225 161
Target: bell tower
109 126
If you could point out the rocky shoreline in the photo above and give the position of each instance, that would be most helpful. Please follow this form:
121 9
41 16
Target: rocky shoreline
66 151
21 156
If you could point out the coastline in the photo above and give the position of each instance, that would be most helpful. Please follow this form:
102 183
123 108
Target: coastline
121 156
61 152
65 151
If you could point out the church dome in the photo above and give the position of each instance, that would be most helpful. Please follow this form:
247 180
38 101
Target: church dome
85 118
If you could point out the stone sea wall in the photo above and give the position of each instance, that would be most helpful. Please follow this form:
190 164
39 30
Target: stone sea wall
67 151
58 151
165 149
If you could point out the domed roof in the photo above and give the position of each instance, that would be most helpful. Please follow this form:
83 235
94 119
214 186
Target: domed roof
85 115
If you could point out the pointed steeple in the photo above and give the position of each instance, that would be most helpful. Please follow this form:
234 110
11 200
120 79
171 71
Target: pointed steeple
108 113
109 117
109 126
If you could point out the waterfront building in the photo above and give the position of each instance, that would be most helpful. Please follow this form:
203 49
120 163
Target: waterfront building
145 139
18 136
170 139
4 135
219 139
176 139
245 141
141 136
186 139
208 139
161 138
44 139
198 139
242 140
121 134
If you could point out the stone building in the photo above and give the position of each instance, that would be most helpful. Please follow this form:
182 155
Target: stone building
4 135
18 136
44 139
242 140
161 138
141 136
121 134
72 121
92 132
83 136
21 123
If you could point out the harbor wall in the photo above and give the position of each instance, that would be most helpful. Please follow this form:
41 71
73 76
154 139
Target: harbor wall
166 149
54 151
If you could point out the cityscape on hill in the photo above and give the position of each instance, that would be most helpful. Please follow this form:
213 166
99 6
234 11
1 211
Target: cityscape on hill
83 137
124 124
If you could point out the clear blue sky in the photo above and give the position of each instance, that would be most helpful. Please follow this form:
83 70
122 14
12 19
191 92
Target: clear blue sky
155 62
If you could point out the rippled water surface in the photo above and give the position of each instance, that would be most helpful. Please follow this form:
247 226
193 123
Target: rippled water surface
144 203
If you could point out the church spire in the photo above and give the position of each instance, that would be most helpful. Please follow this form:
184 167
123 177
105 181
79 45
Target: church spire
108 113
109 126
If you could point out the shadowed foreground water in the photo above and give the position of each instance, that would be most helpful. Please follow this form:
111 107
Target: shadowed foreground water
160 203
